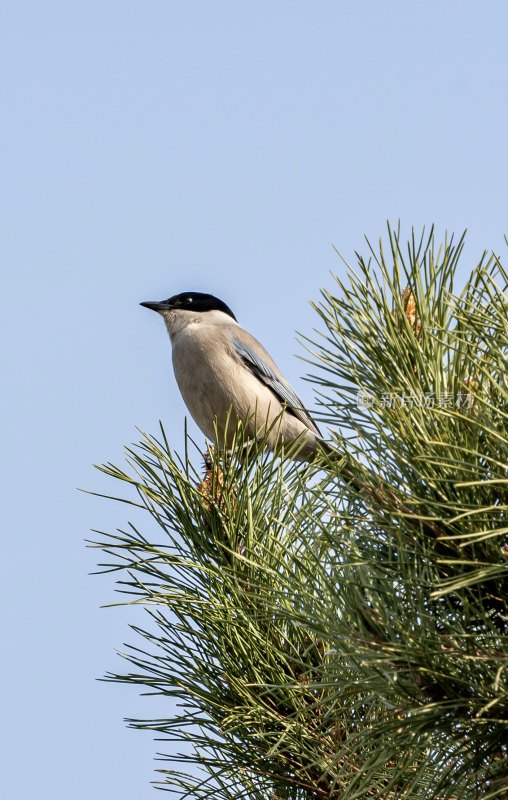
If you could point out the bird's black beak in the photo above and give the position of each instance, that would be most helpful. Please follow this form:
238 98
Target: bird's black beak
154 305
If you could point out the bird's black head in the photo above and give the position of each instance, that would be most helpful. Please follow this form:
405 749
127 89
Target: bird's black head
190 301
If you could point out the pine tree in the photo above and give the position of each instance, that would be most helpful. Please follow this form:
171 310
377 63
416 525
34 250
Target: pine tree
339 629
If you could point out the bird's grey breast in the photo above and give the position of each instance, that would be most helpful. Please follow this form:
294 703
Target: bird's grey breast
203 364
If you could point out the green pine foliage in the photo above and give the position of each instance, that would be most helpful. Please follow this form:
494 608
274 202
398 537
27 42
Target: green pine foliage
340 629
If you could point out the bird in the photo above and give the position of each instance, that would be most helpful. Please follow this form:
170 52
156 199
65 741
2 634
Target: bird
227 377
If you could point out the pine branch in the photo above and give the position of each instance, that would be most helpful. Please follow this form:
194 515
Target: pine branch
340 633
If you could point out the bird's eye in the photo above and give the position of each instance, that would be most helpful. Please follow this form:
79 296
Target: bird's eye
188 301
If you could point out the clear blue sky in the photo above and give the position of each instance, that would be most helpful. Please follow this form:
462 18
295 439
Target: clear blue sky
156 146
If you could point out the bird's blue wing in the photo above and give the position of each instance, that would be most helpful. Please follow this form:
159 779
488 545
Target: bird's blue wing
276 382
